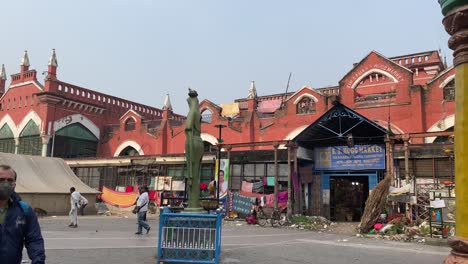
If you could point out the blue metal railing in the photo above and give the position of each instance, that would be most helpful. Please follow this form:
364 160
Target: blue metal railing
189 238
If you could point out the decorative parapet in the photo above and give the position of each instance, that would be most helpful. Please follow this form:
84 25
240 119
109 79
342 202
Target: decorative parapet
73 92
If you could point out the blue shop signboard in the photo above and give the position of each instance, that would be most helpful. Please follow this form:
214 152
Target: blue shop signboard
360 157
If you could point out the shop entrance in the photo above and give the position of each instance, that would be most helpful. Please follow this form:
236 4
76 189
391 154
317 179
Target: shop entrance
348 195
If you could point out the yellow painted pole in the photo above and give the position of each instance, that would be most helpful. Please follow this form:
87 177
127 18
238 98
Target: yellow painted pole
456 24
461 150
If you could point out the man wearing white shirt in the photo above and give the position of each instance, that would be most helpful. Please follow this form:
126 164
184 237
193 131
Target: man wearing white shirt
75 200
141 209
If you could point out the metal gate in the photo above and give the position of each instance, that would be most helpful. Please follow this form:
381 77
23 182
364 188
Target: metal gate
189 238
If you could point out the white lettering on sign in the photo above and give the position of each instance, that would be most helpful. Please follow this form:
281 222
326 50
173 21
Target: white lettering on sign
358 73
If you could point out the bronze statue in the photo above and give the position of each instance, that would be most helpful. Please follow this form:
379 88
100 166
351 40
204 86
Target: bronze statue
193 149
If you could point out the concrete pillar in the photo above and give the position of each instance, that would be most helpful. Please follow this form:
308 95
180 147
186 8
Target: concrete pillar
456 24
406 143
409 210
289 212
16 144
387 155
297 193
45 143
276 145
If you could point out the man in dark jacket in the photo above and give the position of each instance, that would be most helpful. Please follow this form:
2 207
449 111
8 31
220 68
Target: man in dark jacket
18 224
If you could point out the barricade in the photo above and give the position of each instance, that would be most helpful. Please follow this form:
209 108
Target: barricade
189 238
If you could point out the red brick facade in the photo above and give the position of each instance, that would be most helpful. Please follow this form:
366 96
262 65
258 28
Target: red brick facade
413 92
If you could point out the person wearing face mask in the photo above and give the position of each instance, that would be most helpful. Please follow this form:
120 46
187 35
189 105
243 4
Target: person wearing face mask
19 226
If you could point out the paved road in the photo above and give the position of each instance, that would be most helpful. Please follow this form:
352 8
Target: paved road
111 240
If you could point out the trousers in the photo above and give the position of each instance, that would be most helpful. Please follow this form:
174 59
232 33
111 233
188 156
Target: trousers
142 221
74 216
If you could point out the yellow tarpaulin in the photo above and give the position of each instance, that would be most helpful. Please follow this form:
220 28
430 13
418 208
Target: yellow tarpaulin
121 199
230 109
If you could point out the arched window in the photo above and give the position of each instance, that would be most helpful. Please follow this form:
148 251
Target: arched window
305 106
444 139
207 116
449 91
30 142
7 141
208 147
129 124
74 141
129 151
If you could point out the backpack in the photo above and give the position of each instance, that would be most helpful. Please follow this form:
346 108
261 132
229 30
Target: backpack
25 207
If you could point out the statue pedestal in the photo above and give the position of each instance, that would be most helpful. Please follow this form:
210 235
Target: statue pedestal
189 237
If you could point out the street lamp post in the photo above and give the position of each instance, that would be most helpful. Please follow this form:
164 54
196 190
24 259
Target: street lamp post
220 141
456 24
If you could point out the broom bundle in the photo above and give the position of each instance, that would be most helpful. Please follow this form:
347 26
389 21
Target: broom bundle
374 204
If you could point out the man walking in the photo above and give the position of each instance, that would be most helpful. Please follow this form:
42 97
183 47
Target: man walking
75 200
141 208
18 224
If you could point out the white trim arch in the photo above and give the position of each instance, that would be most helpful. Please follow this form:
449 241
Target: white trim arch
446 81
441 125
305 95
129 143
394 128
364 75
6 119
77 118
209 138
132 117
132 111
293 134
206 108
30 116
209 111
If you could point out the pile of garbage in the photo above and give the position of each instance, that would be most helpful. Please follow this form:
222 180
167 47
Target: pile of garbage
315 223
398 227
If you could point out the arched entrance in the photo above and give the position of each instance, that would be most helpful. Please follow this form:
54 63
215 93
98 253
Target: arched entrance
7 139
74 141
30 142
345 161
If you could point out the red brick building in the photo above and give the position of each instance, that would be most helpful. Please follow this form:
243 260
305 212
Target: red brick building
405 94
410 93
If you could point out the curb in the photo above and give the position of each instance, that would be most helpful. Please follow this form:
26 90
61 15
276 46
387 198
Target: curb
440 242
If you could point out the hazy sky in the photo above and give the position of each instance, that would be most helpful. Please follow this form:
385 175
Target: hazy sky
143 49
